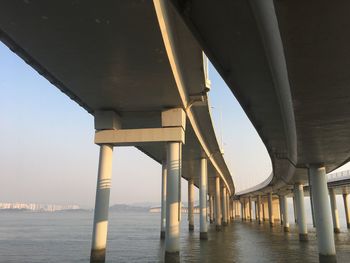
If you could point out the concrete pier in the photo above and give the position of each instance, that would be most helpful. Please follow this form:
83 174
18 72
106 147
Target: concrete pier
322 209
271 216
295 211
163 201
100 227
228 207
203 190
347 209
250 209
285 214
190 205
300 207
217 204
224 207
280 197
172 234
211 209
259 209
335 214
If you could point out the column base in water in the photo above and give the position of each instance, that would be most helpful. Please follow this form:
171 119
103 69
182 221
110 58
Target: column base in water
224 223
327 258
271 224
348 225
336 230
286 229
203 235
303 237
190 227
98 255
162 234
172 257
218 228
211 221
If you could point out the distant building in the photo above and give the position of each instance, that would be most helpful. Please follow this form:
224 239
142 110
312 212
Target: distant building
37 207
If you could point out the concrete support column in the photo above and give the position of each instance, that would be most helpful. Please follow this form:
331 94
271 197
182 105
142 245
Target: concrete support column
218 204
335 215
300 207
243 210
295 211
347 209
271 216
100 227
211 209
224 207
173 199
250 209
281 208
190 204
259 209
322 209
285 214
163 201
228 207
203 199
263 211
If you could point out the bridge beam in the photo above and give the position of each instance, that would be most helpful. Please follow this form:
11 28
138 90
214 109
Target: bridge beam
163 201
217 204
335 215
203 191
322 209
347 209
300 207
100 226
190 204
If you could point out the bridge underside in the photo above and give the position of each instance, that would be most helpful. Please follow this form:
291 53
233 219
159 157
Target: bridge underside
112 57
250 43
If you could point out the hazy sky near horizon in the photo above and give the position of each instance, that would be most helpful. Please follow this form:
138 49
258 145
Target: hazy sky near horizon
48 155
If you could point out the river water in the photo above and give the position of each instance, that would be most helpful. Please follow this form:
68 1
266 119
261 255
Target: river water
134 237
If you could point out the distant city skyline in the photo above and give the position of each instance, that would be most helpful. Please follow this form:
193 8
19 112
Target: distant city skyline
48 154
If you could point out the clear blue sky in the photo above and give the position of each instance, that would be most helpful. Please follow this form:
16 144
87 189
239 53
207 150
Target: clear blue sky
48 155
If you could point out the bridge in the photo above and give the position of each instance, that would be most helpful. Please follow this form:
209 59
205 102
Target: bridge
139 69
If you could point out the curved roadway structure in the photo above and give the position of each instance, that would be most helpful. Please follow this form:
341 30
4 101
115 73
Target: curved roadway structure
287 64
113 57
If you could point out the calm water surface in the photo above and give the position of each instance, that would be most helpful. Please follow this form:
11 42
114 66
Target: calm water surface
134 237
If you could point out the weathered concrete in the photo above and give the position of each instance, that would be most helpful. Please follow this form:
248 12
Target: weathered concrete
99 234
172 235
203 190
335 214
322 209
190 205
163 201
300 207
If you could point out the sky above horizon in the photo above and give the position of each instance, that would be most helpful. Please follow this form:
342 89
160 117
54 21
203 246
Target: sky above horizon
48 155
